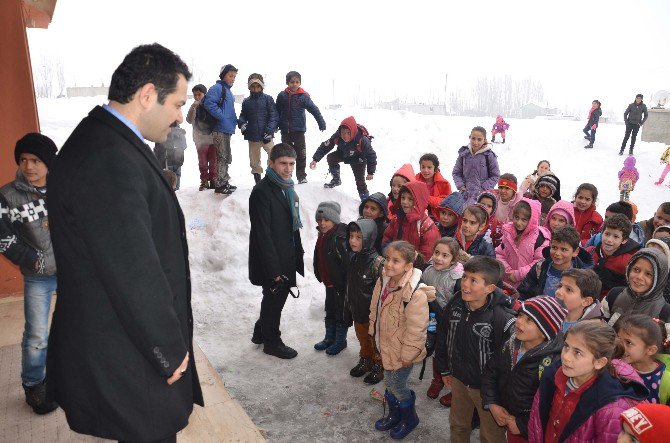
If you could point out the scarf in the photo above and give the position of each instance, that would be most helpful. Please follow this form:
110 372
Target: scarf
292 197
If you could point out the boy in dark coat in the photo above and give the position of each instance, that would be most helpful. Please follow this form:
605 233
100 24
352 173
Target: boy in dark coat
634 117
330 268
291 105
374 208
353 148
511 377
364 269
258 122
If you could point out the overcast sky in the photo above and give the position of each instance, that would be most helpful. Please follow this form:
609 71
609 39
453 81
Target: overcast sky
579 50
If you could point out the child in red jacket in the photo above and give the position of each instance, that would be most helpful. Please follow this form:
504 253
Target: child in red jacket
429 173
587 219
401 176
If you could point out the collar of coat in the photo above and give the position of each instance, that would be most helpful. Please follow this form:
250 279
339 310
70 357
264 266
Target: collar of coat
413 277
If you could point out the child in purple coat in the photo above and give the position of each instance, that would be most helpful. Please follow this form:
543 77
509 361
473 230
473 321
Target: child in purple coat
476 168
499 127
628 176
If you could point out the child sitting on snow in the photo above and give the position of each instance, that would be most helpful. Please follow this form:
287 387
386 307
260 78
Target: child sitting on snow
628 176
499 127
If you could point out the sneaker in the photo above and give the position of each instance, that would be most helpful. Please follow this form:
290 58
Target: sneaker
334 182
280 351
224 189
302 181
589 146
375 376
621 152
586 137
36 397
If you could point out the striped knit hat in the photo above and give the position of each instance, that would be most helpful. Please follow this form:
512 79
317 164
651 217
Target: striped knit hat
547 314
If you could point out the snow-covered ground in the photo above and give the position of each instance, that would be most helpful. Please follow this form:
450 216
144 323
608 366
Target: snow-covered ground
313 398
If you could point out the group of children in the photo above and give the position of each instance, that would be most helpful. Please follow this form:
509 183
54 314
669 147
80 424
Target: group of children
551 322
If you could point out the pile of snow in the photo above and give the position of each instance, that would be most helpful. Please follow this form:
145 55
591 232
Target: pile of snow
313 397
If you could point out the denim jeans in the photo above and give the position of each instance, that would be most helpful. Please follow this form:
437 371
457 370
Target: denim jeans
396 382
37 292
591 133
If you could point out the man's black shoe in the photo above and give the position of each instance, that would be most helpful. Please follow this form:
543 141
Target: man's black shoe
281 351
36 399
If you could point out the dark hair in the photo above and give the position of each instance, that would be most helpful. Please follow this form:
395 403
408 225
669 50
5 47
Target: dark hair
292 74
588 187
649 331
620 223
407 251
451 243
567 234
147 64
597 101
200 87
479 129
521 206
431 158
601 341
488 267
639 95
282 150
510 177
665 207
621 207
538 166
479 213
587 281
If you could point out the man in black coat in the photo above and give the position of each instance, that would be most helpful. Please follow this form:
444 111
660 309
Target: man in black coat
121 338
275 250
635 116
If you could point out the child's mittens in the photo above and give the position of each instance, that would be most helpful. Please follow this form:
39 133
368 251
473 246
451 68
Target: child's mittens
267 138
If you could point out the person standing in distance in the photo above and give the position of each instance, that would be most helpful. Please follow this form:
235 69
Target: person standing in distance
120 347
275 249
635 116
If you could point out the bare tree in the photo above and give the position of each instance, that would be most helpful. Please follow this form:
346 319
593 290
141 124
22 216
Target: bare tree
60 77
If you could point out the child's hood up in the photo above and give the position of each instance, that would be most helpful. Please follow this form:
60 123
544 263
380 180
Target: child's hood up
421 197
350 123
406 171
629 162
368 230
564 206
659 264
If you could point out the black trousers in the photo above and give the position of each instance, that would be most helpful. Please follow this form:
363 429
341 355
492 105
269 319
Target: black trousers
268 323
172 439
297 140
334 305
335 158
630 127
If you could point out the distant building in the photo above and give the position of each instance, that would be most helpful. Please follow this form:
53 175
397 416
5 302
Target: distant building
87 91
532 110
436 109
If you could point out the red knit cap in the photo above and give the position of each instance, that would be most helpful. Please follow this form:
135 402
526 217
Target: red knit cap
649 422
507 183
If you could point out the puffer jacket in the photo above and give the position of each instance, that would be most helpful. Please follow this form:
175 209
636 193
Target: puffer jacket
291 110
519 258
357 151
500 125
381 222
362 272
513 385
260 114
443 281
24 228
466 340
587 222
475 172
441 189
596 410
635 114
623 301
533 283
407 172
564 205
398 324
415 227
226 120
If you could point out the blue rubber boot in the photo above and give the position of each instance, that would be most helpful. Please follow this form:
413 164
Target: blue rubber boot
408 418
340 340
393 417
330 336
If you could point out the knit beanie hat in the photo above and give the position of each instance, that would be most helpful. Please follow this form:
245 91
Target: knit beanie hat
547 180
255 78
37 144
328 210
225 69
546 313
649 422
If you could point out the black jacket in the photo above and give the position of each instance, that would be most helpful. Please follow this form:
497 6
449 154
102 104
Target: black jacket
336 257
274 248
635 114
123 321
533 283
382 222
260 114
595 118
362 273
357 152
513 385
467 339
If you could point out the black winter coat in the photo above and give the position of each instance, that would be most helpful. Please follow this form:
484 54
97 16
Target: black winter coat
635 114
595 118
363 272
291 112
260 114
274 248
123 321
513 385
467 339
336 257
357 152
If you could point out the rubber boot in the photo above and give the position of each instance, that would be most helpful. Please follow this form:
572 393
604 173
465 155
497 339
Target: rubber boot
408 418
393 418
375 376
257 177
364 196
340 340
335 172
437 384
329 338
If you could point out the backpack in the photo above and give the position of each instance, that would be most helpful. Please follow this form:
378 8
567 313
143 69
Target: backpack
364 133
205 121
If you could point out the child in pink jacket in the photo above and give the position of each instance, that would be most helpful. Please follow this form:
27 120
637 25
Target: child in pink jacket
522 241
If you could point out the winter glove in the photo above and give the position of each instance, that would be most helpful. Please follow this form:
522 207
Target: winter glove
243 128
267 138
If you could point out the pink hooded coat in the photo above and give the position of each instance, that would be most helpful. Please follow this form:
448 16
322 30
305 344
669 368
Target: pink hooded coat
564 205
520 258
